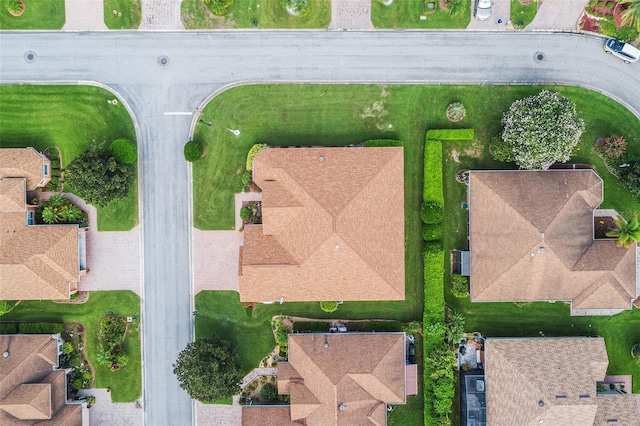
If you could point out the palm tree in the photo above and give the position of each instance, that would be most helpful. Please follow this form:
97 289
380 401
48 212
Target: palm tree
49 215
627 232
631 14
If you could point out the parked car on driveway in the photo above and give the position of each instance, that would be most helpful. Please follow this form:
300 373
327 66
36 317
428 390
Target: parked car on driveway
412 353
483 9
622 50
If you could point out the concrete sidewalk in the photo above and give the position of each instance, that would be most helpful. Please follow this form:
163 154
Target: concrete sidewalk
161 15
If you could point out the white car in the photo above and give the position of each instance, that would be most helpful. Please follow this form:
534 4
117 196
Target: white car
483 9
622 50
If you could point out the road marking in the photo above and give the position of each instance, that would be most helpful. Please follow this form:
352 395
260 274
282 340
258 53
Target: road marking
178 113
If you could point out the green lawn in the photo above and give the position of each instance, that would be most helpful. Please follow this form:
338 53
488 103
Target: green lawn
128 14
73 118
268 14
38 15
522 15
406 14
125 383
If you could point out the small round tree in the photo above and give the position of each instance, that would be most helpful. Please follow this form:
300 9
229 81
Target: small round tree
329 306
269 392
193 151
124 150
542 129
209 369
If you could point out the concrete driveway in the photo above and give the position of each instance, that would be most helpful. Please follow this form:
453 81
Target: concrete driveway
163 94
84 15
106 413
561 15
501 9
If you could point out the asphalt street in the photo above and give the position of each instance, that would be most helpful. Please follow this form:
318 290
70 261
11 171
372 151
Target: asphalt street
198 64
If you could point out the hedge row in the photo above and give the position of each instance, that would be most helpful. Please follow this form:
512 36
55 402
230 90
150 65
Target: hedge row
31 327
432 190
450 134
382 142
253 151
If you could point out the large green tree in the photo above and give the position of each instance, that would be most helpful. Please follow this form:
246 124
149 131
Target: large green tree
209 369
99 178
542 129
627 231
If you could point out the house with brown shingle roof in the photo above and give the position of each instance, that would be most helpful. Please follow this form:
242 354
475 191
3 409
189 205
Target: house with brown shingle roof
552 381
332 226
532 239
33 391
337 379
37 262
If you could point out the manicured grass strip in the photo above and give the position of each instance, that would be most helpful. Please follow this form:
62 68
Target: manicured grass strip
125 383
522 15
38 15
242 14
128 14
73 118
432 190
406 14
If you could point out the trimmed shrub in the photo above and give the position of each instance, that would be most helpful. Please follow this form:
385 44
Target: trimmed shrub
253 151
459 286
329 306
501 150
382 143
8 327
245 179
124 150
431 212
268 392
282 336
193 151
40 327
432 190
6 306
451 134
245 213
432 232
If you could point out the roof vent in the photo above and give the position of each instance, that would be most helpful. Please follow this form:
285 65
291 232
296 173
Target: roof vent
612 421
337 246
540 403
540 250
5 354
326 344
342 406
532 254
541 421
321 158
585 398
561 397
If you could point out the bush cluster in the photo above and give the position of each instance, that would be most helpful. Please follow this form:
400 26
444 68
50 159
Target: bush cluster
329 306
193 151
218 7
459 286
432 190
269 392
6 306
432 212
111 337
432 232
124 150
40 327
451 134
373 143
253 151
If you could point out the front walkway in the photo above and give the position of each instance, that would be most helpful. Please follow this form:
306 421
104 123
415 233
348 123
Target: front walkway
561 15
258 372
161 15
351 15
106 413
84 15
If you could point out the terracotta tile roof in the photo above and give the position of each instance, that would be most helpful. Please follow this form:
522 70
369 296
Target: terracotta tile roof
31 390
23 163
531 238
36 262
360 372
333 229
12 195
553 380
265 415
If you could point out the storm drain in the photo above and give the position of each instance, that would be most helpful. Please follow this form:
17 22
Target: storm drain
163 61
539 57
30 57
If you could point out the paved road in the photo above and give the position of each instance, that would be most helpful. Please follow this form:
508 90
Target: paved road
199 63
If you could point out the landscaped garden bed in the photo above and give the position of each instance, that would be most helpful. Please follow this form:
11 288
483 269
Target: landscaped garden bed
606 17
